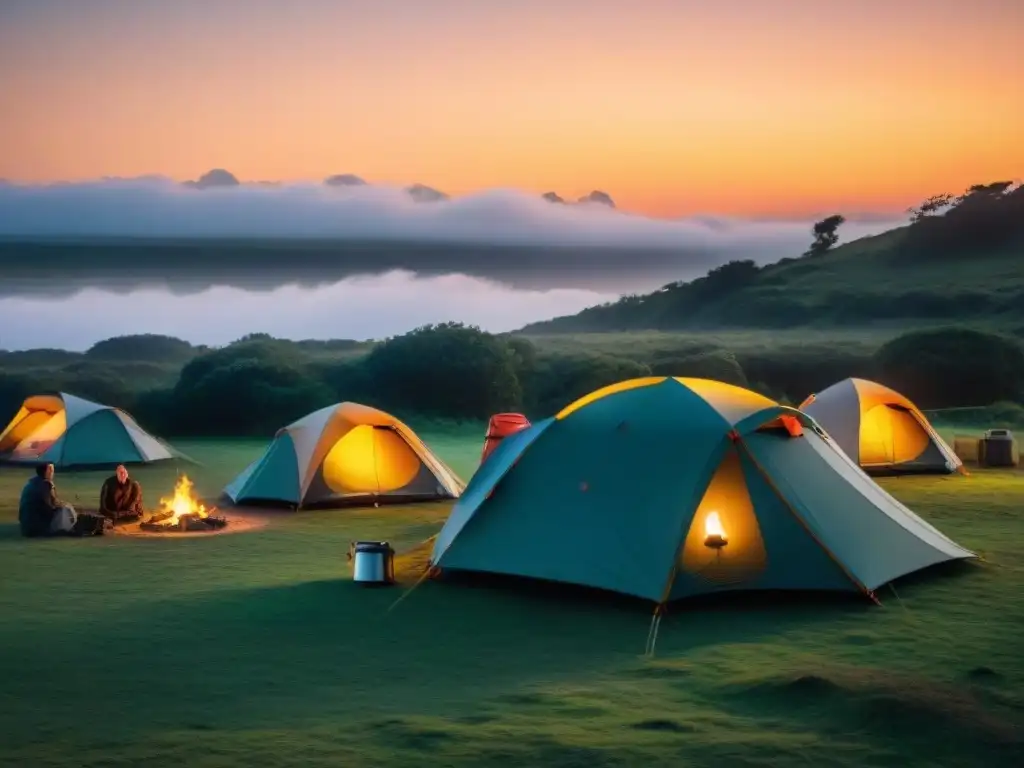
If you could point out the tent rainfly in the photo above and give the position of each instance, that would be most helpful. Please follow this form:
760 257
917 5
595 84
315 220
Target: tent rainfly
880 429
67 431
663 488
345 454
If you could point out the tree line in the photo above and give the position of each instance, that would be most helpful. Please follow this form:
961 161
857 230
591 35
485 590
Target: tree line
458 372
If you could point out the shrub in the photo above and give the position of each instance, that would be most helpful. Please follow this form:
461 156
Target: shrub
142 347
949 367
449 369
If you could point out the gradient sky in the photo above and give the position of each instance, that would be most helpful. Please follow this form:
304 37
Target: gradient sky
750 107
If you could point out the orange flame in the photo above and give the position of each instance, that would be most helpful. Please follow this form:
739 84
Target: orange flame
713 526
183 502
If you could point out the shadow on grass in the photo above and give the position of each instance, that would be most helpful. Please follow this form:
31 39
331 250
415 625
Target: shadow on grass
934 577
334 649
927 721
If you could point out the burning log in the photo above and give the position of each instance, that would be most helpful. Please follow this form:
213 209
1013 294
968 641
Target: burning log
183 512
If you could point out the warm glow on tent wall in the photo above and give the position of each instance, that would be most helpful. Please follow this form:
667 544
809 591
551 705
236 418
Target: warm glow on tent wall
714 533
890 435
35 431
369 460
724 544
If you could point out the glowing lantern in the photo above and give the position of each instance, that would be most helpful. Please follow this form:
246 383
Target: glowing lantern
714 534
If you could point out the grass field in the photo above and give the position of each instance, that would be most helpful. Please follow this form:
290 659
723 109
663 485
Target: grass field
257 650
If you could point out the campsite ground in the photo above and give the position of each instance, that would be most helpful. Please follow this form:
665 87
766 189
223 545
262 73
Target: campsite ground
257 649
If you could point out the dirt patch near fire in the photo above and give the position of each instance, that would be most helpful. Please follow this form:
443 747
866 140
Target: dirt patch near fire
238 522
184 514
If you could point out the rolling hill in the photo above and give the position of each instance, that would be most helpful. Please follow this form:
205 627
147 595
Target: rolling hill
896 278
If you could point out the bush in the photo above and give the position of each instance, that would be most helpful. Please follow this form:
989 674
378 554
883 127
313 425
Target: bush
446 370
246 397
96 384
346 379
558 380
156 411
951 367
30 358
148 347
719 365
270 351
792 373
1009 415
14 388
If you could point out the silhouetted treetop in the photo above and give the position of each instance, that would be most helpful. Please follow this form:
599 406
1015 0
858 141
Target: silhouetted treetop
826 234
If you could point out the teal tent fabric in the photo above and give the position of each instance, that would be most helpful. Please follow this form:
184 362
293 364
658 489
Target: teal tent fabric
93 435
607 494
100 438
273 476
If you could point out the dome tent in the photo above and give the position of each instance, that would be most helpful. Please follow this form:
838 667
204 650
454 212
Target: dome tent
663 488
880 429
344 454
68 431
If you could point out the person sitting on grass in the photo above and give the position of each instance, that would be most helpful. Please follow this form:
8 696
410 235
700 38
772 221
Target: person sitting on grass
121 497
40 511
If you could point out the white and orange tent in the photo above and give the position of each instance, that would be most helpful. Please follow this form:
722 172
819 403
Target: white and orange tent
345 454
880 429
69 431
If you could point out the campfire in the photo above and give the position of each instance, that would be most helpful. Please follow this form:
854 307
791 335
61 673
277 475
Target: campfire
183 511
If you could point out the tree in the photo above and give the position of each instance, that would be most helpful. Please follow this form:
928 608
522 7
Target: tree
558 380
146 346
246 397
930 207
260 349
985 219
825 234
449 370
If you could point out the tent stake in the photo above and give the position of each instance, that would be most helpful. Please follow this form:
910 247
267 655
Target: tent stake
652 633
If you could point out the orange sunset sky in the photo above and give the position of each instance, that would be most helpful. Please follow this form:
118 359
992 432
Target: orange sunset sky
766 107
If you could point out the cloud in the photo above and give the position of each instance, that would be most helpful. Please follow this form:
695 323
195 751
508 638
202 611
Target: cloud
358 307
158 207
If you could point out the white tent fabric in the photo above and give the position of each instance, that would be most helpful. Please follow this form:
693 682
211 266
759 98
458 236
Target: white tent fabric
880 429
344 453
69 431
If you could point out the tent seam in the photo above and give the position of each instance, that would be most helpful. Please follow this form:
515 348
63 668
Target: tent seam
684 529
799 518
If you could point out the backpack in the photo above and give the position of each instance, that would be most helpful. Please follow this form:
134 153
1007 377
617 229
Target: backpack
90 524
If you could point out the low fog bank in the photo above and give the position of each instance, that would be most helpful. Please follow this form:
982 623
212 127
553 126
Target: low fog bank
127 235
355 308
161 208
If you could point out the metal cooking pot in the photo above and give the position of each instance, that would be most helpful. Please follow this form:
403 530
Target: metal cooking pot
373 562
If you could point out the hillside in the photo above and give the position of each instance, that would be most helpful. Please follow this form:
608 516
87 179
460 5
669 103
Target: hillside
861 283
966 265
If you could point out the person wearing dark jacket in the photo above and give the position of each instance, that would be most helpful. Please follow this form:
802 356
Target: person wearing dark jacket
40 511
120 496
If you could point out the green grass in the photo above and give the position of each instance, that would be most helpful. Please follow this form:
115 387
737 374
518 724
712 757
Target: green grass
257 650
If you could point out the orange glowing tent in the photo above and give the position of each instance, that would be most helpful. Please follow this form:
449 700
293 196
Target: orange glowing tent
880 429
